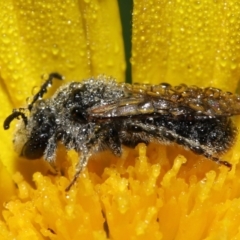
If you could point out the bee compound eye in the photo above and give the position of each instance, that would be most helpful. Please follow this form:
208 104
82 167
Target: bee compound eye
35 147
32 151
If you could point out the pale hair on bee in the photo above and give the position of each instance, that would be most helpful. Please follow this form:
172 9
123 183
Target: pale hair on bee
100 114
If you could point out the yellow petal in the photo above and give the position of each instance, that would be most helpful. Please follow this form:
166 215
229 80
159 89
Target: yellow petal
75 38
192 42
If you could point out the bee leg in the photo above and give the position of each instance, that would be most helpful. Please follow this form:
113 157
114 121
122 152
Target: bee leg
166 136
195 147
222 162
79 168
43 88
201 150
112 141
107 139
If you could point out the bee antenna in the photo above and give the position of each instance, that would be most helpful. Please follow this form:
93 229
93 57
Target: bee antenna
43 88
10 118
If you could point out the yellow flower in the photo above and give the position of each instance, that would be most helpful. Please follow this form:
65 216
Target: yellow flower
153 192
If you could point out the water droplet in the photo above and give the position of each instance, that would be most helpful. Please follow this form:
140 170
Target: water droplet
233 66
5 39
43 55
29 100
223 63
35 89
110 63
71 64
55 49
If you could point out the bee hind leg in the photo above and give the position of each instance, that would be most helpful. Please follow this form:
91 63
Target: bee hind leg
166 135
202 150
217 160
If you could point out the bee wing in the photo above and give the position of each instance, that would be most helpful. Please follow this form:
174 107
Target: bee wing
122 107
167 100
135 106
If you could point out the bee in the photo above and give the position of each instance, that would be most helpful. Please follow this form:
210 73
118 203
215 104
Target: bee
99 114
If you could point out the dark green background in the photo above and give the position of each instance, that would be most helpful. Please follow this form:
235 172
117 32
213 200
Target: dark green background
126 8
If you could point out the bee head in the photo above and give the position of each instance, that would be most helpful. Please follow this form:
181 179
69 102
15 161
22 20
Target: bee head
33 132
31 136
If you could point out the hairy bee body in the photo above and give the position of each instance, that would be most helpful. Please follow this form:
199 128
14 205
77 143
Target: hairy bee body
99 114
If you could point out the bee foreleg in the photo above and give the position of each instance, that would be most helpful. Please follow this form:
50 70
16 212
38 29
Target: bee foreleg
50 152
